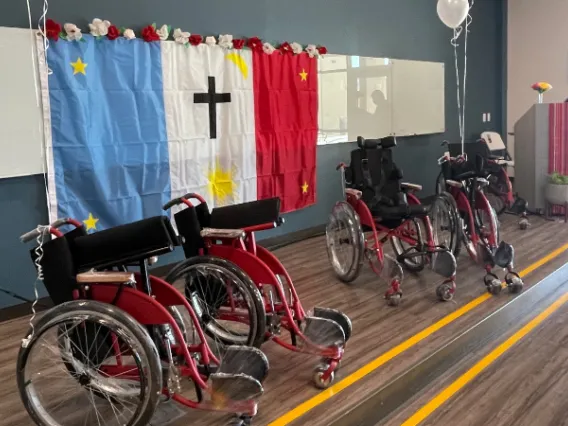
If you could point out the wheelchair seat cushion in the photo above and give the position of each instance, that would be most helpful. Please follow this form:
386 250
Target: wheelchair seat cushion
238 216
124 244
400 212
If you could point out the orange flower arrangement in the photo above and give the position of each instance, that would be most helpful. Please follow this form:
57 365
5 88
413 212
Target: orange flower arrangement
541 87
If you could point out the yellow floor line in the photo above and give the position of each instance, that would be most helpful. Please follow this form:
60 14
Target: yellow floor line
354 377
468 376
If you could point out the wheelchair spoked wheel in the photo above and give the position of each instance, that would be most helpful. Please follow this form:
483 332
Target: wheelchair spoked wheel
497 192
225 299
411 229
488 223
91 355
345 242
446 223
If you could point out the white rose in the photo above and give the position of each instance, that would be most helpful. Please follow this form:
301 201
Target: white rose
99 27
226 41
181 37
163 32
210 41
312 50
73 32
296 48
268 48
129 34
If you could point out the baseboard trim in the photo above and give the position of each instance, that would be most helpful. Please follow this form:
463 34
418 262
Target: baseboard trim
24 309
272 243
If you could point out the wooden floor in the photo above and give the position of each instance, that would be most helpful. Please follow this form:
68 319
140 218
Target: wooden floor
524 387
376 327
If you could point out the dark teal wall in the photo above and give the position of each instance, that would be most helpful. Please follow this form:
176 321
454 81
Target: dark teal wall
403 29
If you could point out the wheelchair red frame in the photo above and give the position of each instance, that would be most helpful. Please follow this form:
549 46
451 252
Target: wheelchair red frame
404 232
147 300
484 248
239 247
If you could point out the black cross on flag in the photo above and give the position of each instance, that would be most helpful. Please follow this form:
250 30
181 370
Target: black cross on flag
212 99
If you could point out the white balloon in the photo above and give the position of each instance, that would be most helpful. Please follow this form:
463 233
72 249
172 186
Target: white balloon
452 12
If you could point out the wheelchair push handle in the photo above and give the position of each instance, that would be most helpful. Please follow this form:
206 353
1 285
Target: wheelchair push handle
184 199
52 228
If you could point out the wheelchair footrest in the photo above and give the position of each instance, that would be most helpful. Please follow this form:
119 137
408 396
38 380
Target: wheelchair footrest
245 360
323 331
504 255
240 375
444 263
337 316
234 387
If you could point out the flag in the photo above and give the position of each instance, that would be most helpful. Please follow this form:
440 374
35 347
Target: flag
134 124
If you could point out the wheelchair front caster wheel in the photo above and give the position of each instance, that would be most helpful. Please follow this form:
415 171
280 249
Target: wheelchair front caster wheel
319 381
494 287
515 284
445 292
241 421
393 299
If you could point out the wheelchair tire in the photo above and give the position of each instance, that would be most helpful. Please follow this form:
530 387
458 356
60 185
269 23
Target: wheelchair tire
255 303
455 222
440 184
345 216
118 322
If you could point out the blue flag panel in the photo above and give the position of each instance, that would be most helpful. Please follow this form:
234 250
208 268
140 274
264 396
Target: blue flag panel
110 167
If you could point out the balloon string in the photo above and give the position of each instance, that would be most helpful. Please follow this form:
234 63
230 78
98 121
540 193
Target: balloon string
461 92
468 21
457 33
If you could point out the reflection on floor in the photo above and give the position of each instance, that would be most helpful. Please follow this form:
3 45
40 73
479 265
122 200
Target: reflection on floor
376 328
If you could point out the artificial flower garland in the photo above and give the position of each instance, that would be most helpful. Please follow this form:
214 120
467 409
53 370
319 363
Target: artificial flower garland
104 29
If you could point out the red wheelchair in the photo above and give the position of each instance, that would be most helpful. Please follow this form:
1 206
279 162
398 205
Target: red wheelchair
465 181
119 342
241 292
379 203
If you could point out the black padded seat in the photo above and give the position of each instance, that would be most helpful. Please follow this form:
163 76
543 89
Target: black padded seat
402 211
124 244
238 216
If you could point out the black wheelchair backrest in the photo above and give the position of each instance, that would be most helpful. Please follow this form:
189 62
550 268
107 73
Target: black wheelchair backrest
385 143
471 149
373 171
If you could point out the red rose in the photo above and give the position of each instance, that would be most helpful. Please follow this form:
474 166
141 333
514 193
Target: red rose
195 39
322 50
238 43
113 32
254 43
52 29
285 48
149 34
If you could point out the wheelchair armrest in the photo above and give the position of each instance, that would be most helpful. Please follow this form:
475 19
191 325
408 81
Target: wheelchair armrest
222 233
454 183
354 192
496 157
411 186
105 277
482 182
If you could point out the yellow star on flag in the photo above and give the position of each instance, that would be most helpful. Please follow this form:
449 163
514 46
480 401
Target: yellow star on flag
91 222
221 184
79 67
305 188
303 75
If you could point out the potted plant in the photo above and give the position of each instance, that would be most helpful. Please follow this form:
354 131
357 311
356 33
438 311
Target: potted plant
556 191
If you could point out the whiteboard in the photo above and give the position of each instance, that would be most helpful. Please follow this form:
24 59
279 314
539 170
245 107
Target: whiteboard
21 119
355 98
418 98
